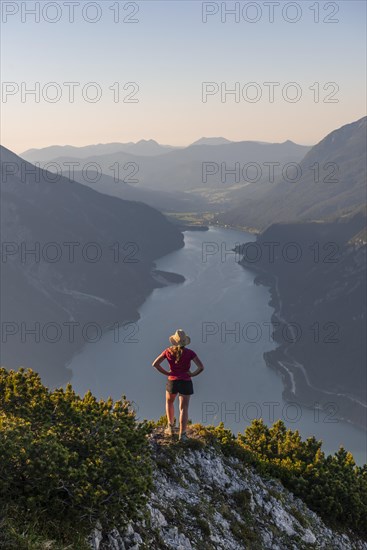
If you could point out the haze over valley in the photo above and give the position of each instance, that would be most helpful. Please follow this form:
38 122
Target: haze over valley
183 275
328 213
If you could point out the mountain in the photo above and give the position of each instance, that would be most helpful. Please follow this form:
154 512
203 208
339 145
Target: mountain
161 200
211 141
147 148
317 277
311 252
143 147
332 178
198 170
73 261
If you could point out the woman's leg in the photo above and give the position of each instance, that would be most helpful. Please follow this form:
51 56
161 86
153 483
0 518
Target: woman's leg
170 406
184 412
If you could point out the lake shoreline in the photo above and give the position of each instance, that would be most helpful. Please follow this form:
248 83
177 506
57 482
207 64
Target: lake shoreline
159 279
221 293
244 229
293 373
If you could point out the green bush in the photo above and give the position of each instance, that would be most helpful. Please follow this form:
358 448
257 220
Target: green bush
333 486
68 460
242 498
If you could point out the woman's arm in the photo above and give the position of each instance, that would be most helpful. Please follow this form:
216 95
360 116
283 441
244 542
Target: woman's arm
157 364
199 365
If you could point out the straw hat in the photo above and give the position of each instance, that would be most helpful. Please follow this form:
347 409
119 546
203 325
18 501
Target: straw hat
180 338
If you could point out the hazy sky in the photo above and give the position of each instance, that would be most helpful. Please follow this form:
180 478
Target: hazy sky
168 53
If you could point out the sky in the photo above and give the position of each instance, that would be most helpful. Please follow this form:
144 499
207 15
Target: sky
163 70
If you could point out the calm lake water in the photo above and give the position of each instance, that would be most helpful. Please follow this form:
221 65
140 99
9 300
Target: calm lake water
228 319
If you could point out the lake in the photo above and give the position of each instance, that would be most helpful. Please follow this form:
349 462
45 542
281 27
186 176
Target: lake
227 317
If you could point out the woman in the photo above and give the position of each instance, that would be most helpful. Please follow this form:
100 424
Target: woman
179 378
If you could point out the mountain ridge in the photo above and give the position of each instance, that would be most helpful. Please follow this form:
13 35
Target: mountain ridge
90 261
327 291
196 170
53 151
332 178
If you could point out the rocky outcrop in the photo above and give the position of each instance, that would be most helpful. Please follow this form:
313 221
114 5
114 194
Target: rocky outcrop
203 500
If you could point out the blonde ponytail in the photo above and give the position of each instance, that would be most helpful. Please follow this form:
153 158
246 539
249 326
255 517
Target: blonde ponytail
177 352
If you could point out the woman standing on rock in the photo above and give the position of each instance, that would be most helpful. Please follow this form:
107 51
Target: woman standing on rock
179 380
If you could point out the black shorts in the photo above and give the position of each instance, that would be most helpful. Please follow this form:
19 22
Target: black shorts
184 387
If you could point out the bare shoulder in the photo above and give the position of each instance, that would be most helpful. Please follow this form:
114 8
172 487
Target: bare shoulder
197 360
